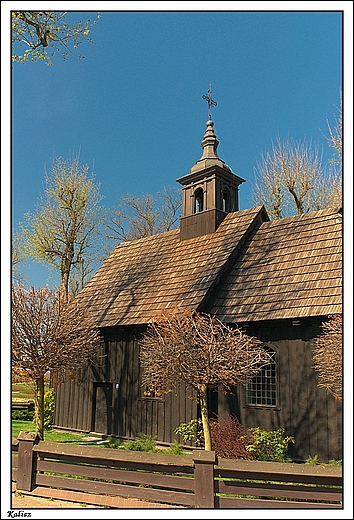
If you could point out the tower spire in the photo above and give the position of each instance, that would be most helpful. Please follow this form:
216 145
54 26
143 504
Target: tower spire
210 101
210 189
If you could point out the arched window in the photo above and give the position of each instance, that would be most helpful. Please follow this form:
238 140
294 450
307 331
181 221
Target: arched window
198 200
262 389
226 201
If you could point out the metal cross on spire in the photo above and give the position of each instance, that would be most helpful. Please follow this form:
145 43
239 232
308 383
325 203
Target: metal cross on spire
210 101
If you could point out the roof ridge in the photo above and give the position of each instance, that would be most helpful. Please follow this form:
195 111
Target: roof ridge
326 212
253 226
148 237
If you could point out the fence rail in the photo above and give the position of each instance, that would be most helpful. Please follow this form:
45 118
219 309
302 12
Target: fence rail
28 406
197 481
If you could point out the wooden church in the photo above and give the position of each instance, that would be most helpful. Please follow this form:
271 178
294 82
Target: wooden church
278 280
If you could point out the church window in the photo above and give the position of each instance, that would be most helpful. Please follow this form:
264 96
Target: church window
198 200
226 201
262 389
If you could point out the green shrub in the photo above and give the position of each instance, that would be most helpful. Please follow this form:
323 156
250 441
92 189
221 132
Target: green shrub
175 449
315 460
192 431
269 445
334 462
22 415
112 442
312 460
49 405
141 443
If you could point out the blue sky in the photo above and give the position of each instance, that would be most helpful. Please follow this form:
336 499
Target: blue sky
134 107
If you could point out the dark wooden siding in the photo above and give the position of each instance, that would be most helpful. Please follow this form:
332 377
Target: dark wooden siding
130 411
308 413
201 224
73 404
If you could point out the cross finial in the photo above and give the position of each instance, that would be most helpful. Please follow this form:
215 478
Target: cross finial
210 101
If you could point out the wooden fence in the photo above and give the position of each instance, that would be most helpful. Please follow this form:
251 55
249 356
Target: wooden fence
197 481
27 406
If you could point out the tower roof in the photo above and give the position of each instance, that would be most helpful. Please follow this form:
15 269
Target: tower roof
210 155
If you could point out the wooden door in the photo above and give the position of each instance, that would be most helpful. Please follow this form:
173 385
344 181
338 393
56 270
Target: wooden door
102 408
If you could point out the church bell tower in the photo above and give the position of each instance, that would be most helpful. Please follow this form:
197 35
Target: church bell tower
210 190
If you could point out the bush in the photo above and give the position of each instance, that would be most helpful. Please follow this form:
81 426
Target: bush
313 461
192 431
113 443
22 415
229 438
141 443
269 445
175 449
49 405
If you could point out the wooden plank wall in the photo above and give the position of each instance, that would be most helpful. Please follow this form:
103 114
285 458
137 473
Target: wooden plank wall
131 411
307 412
73 405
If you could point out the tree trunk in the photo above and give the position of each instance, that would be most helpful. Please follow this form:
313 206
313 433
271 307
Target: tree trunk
39 407
203 399
64 275
67 262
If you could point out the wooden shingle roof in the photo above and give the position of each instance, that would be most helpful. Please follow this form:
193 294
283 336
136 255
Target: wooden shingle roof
146 275
250 269
289 268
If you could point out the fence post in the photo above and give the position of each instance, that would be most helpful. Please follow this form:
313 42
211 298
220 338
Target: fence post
26 441
204 479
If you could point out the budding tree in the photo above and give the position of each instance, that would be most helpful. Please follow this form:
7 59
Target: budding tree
327 356
50 332
63 232
199 350
44 33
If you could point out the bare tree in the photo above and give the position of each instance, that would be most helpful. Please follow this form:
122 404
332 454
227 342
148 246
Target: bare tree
199 350
335 139
327 356
291 179
44 33
287 177
63 232
138 217
17 258
328 193
50 332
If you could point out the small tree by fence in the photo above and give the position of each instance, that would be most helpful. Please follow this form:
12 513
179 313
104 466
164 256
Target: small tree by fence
180 346
50 333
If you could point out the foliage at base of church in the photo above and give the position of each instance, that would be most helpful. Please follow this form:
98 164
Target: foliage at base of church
229 438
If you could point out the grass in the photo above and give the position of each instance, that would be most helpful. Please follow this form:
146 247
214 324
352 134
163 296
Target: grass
50 436
142 442
22 392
